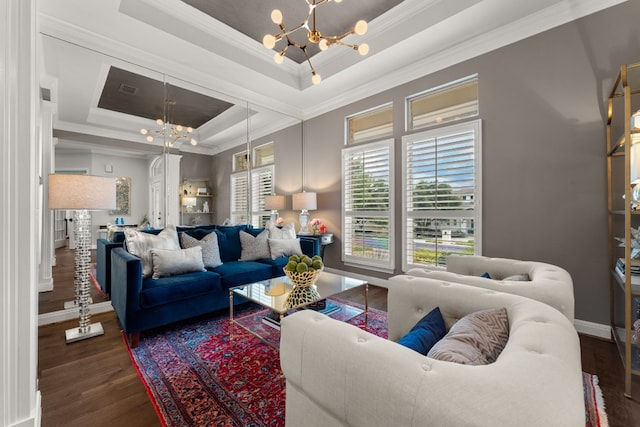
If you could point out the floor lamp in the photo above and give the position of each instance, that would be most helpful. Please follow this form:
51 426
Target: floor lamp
82 193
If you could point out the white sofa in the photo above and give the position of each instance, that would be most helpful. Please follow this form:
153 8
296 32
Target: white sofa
339 375
549 284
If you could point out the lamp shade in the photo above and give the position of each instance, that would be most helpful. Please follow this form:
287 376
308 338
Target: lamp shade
81 192
304 201
274 202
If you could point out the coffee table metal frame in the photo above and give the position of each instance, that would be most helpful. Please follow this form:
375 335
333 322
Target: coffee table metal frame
273 293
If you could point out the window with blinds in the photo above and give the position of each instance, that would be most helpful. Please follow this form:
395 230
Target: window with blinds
454 101
261 186
441 194
239 198
367 198
371 125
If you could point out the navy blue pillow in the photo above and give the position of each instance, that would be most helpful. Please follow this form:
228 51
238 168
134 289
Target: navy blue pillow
428 331
486 275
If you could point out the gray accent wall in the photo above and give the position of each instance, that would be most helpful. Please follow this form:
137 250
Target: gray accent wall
542 106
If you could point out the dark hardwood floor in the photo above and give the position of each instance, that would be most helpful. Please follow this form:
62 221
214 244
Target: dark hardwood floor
93 383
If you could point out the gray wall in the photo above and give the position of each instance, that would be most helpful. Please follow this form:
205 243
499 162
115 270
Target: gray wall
542 105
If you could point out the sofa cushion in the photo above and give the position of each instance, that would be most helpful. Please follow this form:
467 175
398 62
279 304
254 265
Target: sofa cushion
518 278
254 248
209 245
287 231
476 339
229 242
140 244
174 262
429 330
277 265
284 247
166 290
236 273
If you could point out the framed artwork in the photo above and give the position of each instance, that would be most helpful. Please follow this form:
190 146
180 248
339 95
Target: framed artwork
123 196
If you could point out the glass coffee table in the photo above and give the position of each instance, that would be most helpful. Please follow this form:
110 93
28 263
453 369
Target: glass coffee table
272 294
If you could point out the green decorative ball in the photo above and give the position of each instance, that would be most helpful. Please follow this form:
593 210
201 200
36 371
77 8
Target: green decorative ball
302 267
291 266
317 264
294 258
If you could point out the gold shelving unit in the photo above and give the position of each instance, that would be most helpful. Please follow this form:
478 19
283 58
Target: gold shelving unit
624 288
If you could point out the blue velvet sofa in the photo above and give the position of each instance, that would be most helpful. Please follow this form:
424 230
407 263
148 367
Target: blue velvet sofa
142 303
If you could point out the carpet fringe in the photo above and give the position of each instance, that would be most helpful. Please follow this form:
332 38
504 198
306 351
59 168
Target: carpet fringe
603 420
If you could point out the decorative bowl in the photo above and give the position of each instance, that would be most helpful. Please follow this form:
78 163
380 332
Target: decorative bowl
306 278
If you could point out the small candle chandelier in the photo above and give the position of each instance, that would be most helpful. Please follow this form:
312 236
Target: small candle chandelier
313 36
174 135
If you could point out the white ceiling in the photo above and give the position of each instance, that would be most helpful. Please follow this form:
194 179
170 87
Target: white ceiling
170 40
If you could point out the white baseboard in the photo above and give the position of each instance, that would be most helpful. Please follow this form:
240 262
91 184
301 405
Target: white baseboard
594 329
70 314
45 286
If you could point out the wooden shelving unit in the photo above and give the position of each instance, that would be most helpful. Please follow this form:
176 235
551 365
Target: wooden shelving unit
198 191
624 289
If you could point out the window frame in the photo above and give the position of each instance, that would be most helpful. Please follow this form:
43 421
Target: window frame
365 262
380 108
440 132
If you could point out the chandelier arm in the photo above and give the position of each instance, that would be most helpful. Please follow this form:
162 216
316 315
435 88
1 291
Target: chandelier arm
304 50
285 33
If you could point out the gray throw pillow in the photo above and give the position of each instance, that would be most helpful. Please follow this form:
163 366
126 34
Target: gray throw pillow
476 339
140 245
254 248
209 245
284 247
287 231
173 262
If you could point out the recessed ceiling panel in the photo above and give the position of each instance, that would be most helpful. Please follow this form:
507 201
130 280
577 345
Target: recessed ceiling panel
130 93
253 18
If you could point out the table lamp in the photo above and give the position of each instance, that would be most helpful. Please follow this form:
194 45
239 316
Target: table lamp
304 202
274 203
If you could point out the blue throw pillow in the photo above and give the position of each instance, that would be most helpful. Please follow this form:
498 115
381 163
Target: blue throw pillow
428 331
486 275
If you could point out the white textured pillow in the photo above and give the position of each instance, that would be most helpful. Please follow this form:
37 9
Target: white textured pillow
209 245
287 231
284 247
254 248
140 244
173 262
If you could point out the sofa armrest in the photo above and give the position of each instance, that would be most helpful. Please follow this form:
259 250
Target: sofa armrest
103 262
126 284
310 246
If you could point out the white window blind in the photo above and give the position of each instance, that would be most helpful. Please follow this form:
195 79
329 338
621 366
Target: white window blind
441 194
367 196
261 186
239 198
370 125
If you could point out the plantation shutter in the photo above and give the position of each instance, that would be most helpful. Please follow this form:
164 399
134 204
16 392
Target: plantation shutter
262 185
441 189
367 228
239 198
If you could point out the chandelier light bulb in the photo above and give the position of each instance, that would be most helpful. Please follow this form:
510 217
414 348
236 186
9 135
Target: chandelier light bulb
189 129
159 122
337 1
363 49
149 138
316 79
269 41
276 16
361 27
279 57
144 131
179 128
323 45
192 141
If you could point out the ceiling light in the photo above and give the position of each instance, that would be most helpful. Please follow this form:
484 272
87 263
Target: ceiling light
313 35
173 134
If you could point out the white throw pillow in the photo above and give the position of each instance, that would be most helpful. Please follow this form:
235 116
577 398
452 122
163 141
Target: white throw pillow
284 247
172 262
140 244
287 231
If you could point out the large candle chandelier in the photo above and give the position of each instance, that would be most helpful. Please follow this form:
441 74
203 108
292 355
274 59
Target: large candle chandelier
313 36
173 134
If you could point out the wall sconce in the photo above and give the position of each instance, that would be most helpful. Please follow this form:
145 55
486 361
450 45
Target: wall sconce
304 202
274 203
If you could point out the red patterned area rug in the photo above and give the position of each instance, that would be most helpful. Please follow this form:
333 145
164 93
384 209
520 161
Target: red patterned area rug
593 402
196 377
